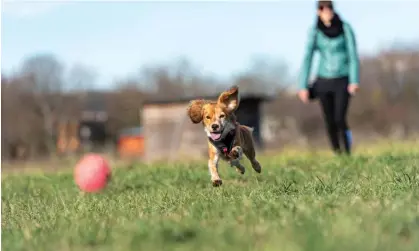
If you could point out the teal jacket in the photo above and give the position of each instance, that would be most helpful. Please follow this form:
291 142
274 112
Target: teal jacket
338 56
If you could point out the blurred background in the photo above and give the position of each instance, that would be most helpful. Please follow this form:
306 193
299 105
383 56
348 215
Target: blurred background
115 77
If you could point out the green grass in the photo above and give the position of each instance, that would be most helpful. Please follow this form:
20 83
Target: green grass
299 202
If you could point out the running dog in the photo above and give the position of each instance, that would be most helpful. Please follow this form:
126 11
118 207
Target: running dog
227 139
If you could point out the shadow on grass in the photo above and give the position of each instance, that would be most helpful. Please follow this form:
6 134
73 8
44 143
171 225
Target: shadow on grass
180 236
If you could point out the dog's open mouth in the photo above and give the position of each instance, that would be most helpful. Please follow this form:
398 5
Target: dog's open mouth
215 135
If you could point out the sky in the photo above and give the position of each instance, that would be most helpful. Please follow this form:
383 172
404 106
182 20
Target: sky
116 38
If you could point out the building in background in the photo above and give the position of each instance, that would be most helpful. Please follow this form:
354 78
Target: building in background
89 130
86 131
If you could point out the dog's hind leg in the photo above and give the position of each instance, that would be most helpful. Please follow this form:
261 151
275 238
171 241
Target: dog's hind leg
251 155
249 149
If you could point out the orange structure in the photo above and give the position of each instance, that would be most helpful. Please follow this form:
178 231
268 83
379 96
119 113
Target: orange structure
131 142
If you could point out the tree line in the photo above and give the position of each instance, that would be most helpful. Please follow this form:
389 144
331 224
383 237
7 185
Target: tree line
43 91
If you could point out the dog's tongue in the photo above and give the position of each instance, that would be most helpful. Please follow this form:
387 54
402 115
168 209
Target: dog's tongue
215 136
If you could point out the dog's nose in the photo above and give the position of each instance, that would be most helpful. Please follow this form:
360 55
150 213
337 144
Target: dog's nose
215 126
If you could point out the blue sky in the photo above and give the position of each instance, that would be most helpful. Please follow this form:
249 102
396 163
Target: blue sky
220 38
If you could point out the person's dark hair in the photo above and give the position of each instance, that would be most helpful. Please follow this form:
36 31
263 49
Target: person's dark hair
323 4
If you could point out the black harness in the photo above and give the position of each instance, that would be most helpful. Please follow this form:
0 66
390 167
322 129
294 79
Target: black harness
225 143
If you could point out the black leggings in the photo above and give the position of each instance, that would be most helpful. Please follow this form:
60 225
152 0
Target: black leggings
334 99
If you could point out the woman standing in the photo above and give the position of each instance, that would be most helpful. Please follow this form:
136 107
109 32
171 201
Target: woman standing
337 75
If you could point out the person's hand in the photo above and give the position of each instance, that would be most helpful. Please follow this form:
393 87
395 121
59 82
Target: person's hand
303 95
353 89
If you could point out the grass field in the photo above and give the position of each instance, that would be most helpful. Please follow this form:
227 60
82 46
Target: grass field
299 202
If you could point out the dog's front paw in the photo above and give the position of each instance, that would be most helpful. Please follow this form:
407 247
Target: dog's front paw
236 152
217 183
240 170
239 167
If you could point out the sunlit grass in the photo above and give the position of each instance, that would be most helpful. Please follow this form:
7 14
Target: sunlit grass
301 201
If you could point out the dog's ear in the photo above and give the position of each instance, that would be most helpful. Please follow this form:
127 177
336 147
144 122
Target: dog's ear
230 99
194 110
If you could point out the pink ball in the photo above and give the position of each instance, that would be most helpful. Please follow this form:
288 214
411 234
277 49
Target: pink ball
92 173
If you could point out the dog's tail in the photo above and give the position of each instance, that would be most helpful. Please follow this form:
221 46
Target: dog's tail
250 129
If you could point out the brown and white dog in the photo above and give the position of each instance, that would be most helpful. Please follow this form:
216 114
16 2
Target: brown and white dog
227 139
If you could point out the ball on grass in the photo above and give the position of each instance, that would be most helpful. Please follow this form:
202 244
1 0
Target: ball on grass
92 173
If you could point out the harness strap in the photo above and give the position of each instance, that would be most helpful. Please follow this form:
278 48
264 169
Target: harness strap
225 151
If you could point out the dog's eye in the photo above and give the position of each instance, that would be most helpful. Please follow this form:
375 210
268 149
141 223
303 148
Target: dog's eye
208 117
222 116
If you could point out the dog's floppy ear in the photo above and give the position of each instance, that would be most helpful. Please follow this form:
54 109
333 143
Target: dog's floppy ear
230 99
194 110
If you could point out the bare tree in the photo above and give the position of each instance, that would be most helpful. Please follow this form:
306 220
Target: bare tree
21 127
264 75
81 77
44 85
178 79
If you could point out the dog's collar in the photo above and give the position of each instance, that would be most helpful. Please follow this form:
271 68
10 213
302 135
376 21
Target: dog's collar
225 143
